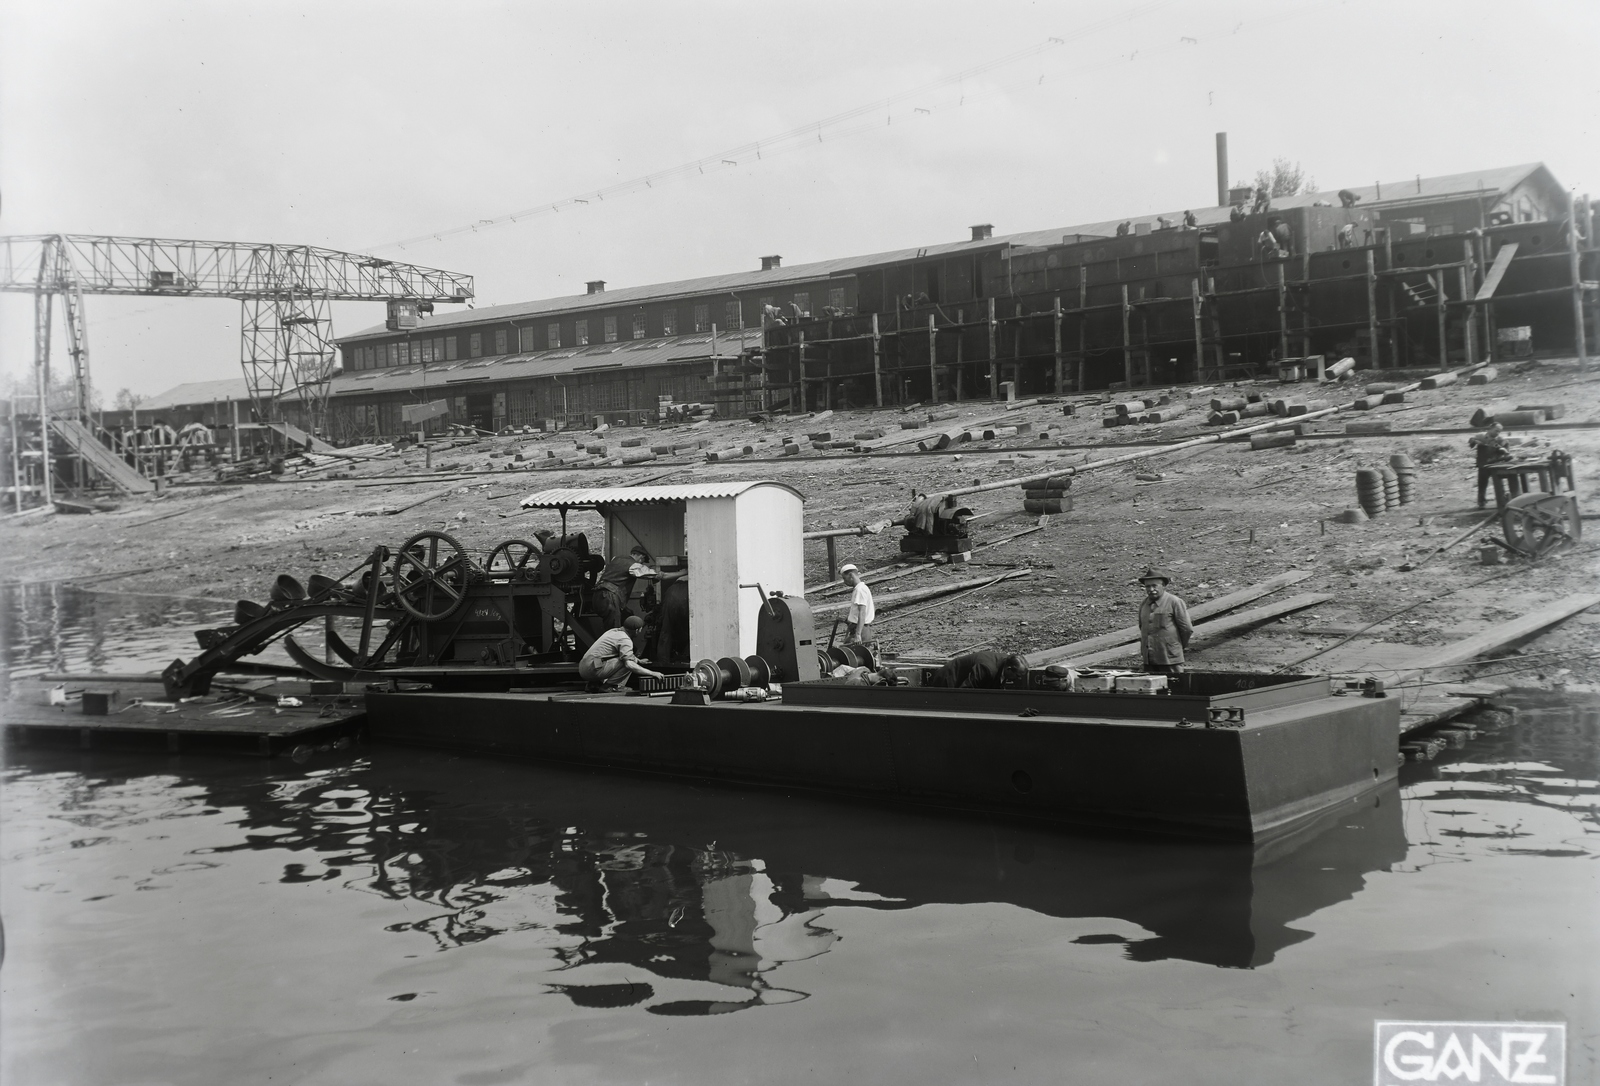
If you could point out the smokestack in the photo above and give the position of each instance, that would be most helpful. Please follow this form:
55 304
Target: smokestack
597 286
1222 169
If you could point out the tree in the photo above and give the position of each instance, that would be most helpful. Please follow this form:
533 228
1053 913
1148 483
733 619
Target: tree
1284 179
127 399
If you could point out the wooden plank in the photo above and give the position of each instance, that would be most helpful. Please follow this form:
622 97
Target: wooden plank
1197 614
1221 629
1496 272
916 595
1459 652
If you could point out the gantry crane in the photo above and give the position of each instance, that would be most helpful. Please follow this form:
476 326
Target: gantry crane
285 293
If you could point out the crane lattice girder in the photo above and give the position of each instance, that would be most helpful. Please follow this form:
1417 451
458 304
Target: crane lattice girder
214 269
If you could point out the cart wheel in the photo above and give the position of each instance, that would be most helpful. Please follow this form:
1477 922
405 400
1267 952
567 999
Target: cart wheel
430 575
514 558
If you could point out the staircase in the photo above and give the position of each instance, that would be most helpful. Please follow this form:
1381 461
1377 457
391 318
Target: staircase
115 470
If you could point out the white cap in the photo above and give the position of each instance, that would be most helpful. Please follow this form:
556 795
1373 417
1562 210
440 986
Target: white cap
848 567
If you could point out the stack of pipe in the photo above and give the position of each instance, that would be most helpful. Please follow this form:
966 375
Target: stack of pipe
1047 495
1406 474
1369 491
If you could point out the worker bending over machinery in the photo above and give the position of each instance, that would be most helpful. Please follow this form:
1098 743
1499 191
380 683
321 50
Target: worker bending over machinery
611 660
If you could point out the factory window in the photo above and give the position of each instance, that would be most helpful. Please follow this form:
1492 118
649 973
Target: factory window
394 354
427 351
476 345
732 313
552 335
802 302
702 318
499 341
669 322
836 297
611 329
583 333
451 346
638 326
525 339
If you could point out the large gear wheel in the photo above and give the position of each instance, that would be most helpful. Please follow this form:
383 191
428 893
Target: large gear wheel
430 575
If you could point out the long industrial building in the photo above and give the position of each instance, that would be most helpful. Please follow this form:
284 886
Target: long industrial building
1413 273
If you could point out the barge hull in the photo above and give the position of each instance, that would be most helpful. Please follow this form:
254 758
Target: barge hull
1286 766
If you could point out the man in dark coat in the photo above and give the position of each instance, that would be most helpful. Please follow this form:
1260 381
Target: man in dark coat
1164 626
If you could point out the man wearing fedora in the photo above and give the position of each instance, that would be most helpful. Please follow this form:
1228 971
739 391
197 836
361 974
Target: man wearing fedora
1164 627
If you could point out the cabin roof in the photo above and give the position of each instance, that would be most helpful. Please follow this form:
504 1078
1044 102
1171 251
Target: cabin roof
599 497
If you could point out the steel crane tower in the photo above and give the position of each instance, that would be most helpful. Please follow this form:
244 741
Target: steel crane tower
284 292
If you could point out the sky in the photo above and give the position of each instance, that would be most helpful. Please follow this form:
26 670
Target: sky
853 128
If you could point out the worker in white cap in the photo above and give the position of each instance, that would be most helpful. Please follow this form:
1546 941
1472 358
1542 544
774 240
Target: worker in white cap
862 610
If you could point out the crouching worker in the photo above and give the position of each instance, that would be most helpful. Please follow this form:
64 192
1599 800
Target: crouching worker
610 660
1164 627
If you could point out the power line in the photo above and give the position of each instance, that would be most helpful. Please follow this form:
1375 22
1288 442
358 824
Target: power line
796 138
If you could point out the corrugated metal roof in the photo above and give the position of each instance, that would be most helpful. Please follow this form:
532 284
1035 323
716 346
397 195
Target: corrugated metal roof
199 392
626 354
1498 179
595 497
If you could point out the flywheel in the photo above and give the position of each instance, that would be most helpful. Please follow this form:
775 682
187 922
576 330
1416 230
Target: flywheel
430 575
1536 524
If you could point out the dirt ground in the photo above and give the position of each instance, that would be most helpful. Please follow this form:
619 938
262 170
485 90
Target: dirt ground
1220 517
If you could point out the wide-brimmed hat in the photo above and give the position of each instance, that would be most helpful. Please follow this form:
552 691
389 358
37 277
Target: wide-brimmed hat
1155 573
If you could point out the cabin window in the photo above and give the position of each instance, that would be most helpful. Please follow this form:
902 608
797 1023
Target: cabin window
611 329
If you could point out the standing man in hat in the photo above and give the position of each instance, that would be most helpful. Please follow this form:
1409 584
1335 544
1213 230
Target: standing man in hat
1164 627
862 610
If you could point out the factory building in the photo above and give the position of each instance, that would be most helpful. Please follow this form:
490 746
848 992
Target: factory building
1390 273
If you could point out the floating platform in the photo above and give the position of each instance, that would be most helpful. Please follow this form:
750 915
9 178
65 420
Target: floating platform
1224 755
241 716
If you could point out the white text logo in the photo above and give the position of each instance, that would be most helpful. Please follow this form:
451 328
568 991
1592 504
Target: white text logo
1476 1052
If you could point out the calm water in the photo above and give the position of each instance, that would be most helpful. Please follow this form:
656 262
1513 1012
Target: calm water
385 915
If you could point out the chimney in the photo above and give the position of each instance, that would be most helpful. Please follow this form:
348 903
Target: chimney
597 286
770 262
1222 170
982 231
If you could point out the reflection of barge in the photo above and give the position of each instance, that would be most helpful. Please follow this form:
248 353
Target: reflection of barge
483 659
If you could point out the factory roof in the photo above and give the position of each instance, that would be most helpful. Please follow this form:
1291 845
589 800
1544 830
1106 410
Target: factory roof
198 392
442 377
599 497
1488 182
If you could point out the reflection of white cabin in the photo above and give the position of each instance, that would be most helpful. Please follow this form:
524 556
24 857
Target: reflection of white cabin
731 533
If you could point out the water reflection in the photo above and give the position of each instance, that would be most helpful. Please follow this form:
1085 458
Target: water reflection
727 887
52 627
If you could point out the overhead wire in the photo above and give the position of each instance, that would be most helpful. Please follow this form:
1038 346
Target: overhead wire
799 136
